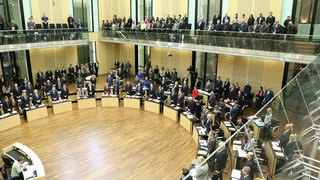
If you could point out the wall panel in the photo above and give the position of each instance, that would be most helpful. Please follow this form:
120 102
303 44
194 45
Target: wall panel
180 59
108 8
57 10
258 72
255 7
172 7
50 59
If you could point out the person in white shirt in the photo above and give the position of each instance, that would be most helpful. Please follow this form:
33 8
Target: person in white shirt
17 168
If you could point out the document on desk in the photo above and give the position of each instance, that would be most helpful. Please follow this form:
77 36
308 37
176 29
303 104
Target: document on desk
280 154
29 172
227 123
276 148
236 174
203 142
236 147
237 142
242 153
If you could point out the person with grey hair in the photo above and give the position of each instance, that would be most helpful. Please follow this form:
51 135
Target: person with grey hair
250 142
201 171
220 157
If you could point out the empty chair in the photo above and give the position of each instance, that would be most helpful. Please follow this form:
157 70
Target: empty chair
38 26
52 26
58 26
65 26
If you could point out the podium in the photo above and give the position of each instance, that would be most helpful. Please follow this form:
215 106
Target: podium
152 105
62 106
109 101
34 112
9 120
86 102
171 112
132 102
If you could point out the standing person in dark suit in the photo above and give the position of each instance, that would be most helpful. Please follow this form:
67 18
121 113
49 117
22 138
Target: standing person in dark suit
70 21
234 112
208 123
291 28
284 137
226 87
185 19
54 94
191 105
200 24
49 75
220 157
45 21
184 88
152 92
139 91
216 17
7 105
160 93
173 96
268 95
64 92
78 67
225 18
246 91
270 20
212 99
218 87
180 101
96 67
197 84
29 88
16 92
261 19
232 93
128 88
25 101
36 98
71 73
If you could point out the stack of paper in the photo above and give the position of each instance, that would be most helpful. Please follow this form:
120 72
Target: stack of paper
237 142
242 153
236 174
203 142
236 147
280 154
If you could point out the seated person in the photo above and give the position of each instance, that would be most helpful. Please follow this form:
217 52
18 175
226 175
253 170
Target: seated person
209 86
25 101
48 86
91 90
54 94
245 173
116 89
81 92
80 82
180 101
152 92
250 142
128 88
139 91
191 105
64 92
285 135
160 93
36 98
7 105
107 90
173 96
16 92
29 88
16 170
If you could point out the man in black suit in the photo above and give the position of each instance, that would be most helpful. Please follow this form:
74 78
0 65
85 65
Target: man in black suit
200 24
245 173
160 93
80 82
71 73
185 19
49 75
212 99
180 101
7 105
40 78
70 21
218 87
255 28
249 161
291 28
226 88
59 84
48 86
116 89
78 67
246 91
227 26
284 137
232 93
225 18
152 92
197 84
54 94
139 91
64 92
29 88
184 88
220 157
270 20
16 92
216 17
128 88
36 98
235 25
261 19
25 101
173 96
276 28
191 105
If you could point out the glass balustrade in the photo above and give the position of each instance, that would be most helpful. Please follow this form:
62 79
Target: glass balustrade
38 36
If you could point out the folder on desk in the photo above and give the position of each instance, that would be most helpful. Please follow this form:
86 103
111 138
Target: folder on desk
237 142
236 174
203 142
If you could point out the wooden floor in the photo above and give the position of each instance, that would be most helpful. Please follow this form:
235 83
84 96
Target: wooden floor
106 143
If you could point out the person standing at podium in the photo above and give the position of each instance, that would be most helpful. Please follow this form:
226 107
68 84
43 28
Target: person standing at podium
36 98
152 92
160 93
139 90
64 92
25 101
91 90
128 89
54 94
16 170
7 105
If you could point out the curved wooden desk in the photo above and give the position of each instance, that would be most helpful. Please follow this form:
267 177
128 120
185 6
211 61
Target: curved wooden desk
34 168
9 120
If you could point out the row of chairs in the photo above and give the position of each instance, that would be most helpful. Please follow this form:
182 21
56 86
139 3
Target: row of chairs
53 26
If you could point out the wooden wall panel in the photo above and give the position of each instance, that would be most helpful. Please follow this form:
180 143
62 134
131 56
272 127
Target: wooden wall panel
172 7
180 59
58 12
259 72
255 7
108 8
45 59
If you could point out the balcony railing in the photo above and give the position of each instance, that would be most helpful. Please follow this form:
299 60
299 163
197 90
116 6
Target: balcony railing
225 42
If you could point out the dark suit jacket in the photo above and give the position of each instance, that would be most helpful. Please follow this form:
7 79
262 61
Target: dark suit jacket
116 90
218 27
224 19
235 27
174 97
208 124
232 94
247 89
292 29
197 84
54 95
80 82
16 92
160 94
227 27
276 28
270 20
261 20
268 96
64 93
192 106
220 159
215 19
201 26
128 89
212 145
180 101
36 100
140 91
243 27
284 138
234 113
7 106
212 100
184 90
291 147
25 102
152 92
